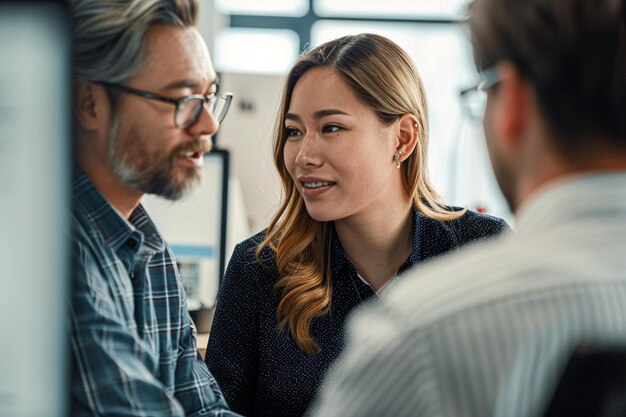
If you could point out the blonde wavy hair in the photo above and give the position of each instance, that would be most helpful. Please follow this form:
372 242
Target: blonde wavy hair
384 77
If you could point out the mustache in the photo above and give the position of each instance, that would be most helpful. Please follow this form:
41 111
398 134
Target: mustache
194 145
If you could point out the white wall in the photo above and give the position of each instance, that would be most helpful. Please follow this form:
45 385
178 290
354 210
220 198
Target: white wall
247 132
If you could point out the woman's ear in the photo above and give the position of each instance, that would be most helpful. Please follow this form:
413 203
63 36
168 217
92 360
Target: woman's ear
407 134
88 104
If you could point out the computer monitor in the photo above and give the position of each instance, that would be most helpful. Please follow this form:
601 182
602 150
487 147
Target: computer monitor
195 227
35 151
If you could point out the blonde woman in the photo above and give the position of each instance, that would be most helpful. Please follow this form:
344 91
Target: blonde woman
358 210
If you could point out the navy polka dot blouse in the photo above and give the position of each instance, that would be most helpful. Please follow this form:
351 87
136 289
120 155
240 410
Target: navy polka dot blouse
260 370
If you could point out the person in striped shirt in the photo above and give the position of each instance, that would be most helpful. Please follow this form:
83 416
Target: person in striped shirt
486 331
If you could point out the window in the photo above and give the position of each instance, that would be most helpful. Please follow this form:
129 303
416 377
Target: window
394 9
263 51
264 7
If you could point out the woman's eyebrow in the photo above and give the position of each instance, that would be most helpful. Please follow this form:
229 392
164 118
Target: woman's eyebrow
329 112
318 114
293 116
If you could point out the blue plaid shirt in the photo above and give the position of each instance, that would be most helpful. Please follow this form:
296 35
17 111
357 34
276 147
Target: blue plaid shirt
133 344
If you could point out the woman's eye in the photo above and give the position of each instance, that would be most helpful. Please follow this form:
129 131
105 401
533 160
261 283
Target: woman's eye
290 132
331 129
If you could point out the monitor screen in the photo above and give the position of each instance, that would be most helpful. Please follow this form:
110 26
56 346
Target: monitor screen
35 157
195 228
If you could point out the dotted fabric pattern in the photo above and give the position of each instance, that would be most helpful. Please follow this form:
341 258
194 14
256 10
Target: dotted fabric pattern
260 370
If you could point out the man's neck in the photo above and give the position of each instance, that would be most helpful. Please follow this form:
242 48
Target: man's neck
559 169
122 197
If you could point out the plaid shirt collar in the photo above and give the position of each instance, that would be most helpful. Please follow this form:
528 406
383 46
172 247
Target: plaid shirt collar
115 229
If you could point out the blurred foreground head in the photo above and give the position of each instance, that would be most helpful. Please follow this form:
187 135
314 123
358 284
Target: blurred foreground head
573 52
569 56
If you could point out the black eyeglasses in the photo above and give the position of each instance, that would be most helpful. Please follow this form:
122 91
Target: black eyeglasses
475 98
188 108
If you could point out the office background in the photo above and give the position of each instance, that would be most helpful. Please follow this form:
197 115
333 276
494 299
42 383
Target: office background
254 43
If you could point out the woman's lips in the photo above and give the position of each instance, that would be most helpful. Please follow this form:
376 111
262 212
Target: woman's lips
315 187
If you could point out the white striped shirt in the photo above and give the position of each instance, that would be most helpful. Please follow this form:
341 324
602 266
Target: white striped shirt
485 331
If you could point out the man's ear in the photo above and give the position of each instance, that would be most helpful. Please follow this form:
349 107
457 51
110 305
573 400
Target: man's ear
407 134
511 105
89 106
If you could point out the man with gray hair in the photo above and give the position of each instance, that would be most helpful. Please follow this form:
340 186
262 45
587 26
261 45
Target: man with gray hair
486 331
145 107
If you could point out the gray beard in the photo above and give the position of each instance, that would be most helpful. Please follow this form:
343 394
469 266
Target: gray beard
157 183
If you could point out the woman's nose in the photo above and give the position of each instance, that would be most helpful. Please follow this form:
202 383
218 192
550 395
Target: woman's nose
308 154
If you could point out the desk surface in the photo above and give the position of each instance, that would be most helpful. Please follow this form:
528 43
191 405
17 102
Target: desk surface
202 320
203 339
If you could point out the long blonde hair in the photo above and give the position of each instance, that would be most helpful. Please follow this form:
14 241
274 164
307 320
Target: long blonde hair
384 77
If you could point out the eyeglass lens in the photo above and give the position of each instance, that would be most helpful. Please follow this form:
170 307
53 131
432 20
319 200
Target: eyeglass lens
476 102
189 110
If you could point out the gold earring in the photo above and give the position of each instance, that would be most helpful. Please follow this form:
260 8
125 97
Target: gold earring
396 158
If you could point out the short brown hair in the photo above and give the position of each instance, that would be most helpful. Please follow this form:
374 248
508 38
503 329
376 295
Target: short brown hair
574 54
